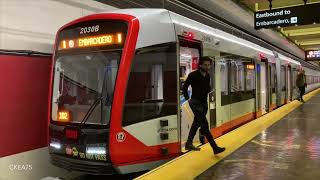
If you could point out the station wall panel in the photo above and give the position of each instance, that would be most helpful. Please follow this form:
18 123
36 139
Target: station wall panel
24 97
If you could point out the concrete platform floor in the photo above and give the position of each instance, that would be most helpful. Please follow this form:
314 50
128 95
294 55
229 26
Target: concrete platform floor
289 149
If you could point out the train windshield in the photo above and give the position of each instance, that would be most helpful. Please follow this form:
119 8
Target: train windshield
83 86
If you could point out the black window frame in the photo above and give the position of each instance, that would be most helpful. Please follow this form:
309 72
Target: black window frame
168 108
242 95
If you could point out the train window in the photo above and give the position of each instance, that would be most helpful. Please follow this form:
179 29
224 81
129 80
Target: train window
82 80
313 79
246 80
152 85
224 82
310 79
237 78
224 77
250 79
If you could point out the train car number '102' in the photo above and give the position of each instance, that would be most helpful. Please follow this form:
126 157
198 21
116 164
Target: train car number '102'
89 29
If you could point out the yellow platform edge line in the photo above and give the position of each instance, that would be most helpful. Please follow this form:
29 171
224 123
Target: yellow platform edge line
192 164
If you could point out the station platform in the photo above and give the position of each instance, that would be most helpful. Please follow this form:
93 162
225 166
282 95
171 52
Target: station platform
283 144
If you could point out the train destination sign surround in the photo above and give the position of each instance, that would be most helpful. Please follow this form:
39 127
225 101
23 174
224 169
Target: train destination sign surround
96 35
297 15
313 55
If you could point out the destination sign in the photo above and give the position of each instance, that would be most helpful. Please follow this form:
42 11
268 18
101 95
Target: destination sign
102 40
96 35
313 55
297 15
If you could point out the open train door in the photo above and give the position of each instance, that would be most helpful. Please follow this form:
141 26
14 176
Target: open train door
189 53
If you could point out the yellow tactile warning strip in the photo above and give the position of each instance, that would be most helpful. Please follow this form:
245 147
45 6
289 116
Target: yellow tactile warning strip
192 164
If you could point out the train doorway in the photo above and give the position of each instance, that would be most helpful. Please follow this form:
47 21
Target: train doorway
189 54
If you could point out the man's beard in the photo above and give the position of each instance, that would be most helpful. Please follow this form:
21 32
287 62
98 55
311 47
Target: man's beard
204 70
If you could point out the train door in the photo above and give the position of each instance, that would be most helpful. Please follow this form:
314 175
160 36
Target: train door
258 88
211 116
269 87
273 86
283 83
264 93
188 62
290 83
294 88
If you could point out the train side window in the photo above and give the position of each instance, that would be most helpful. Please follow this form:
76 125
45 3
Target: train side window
224 81
250 77
242 79
237 78
152 85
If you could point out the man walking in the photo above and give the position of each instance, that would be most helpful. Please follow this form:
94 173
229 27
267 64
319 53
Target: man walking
301 84
200 83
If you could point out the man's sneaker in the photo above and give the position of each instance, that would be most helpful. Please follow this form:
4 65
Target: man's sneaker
219 150
191 147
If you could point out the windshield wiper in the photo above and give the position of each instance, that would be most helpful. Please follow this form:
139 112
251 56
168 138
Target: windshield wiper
92 107
95 103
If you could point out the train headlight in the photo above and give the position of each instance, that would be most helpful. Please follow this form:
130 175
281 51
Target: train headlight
55 145
93 149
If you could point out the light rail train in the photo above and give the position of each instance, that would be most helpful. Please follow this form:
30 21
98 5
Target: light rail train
116 101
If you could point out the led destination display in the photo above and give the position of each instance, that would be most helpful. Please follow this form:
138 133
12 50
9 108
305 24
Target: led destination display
92 36
102 40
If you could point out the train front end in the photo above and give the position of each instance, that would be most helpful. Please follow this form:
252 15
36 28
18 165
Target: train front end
85 92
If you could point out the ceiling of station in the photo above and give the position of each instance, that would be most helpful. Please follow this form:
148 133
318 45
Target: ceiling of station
306 37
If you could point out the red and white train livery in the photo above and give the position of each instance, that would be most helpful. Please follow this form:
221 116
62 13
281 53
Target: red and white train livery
116 103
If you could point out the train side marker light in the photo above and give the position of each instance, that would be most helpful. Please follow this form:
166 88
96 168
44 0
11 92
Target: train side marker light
190 35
